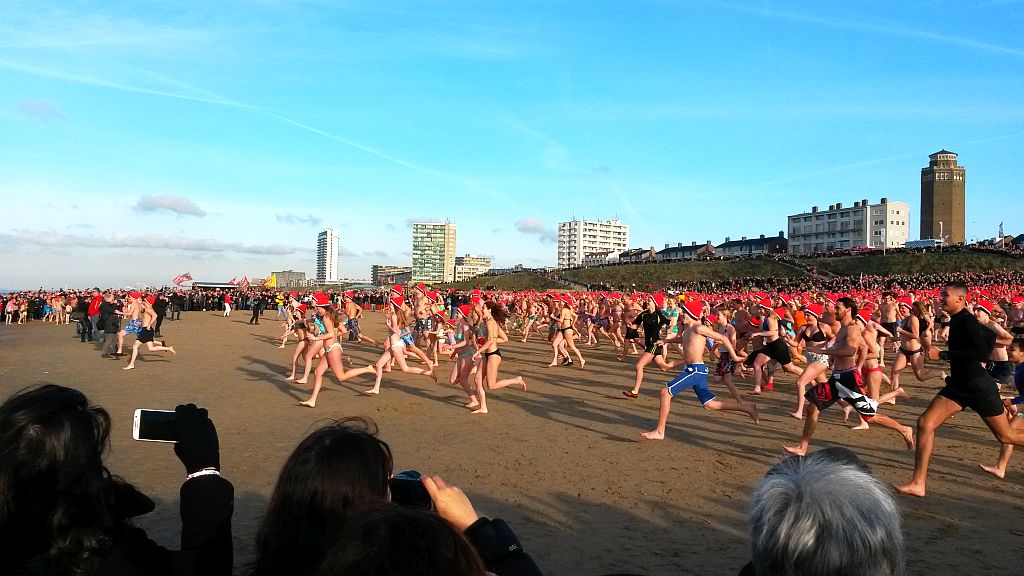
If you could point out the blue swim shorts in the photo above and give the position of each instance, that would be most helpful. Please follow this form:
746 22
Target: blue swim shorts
693 376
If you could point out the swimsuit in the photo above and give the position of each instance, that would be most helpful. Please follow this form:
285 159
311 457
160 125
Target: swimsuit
133 327
845 385
693 376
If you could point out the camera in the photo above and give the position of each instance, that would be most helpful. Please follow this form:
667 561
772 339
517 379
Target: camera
409 492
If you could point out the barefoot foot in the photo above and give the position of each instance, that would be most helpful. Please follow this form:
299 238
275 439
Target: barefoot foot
303 381
307 404
798 415
479 411
129 367
798 450
653 435
911 489
994 470
754 414
861 426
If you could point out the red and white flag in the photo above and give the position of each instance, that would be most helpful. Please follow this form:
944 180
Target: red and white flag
233 280
244 283
182 278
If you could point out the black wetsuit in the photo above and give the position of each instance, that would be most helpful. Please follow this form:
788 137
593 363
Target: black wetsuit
652 323
969 385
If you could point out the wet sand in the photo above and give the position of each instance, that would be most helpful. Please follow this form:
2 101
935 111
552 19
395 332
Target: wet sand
563 462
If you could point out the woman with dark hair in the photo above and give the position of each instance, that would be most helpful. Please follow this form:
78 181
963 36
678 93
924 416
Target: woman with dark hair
489 335
393 541
62 512
334 474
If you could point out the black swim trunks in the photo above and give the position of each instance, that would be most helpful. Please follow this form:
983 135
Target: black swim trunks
843 385
979 394
777 350
1001 371
146 335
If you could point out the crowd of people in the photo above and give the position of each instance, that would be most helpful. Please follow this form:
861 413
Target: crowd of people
844 339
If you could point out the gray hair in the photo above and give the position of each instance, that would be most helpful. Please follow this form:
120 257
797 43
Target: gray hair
821 515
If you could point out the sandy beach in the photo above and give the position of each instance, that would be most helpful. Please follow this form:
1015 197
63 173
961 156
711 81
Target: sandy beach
562 462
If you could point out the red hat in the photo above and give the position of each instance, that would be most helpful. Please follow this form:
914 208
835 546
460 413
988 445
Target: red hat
659 300
475 296
134 295
302 307
761 295
432 296
712 318
985 305
398 301
815 310
781 312
294 294
765 303
905 302
151 299
422 288
833 298
465 309
350 294
320 299
694 309
787 300
449 321
753 321
864 316
397 289
1017 300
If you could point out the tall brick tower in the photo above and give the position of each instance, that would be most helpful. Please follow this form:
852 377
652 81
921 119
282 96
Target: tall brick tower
942 198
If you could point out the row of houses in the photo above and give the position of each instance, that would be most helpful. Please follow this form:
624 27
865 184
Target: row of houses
742 247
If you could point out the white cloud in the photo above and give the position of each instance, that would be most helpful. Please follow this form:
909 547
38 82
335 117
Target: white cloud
176 204
308 219
536 227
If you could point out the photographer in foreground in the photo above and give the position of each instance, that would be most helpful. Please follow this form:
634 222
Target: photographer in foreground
341 470
62 512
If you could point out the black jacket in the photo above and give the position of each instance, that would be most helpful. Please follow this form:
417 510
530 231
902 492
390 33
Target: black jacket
207 504
499 548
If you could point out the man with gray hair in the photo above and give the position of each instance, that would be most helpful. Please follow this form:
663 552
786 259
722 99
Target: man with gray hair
824 514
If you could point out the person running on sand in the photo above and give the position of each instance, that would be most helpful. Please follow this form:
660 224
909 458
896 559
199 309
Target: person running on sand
354 312
813 332
1014 406
400 336
489 335
564 339
694 339
845 382
300 329
331 342
146 333
911 351
652 320
967 386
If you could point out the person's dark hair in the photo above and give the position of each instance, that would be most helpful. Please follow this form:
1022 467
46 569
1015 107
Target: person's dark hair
335 469
55 510
498 312
849 303
957 285
394 541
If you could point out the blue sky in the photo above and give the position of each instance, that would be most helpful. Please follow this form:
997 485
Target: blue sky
141 140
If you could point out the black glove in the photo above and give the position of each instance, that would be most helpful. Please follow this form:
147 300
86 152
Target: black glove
197 446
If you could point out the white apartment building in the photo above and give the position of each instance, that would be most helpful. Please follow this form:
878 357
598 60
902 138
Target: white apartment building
327 247
882 225
578 238
433 252
470 266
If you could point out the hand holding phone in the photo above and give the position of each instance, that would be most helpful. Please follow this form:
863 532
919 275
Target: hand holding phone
198 446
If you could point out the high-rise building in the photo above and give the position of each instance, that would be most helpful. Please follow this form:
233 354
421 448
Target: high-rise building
882 225
469 266
383 274
327 256
433 252
578 238
290 279
943 192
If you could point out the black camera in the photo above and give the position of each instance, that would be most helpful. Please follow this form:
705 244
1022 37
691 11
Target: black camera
408 491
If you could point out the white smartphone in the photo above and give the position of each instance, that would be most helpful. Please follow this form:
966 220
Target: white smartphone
154 426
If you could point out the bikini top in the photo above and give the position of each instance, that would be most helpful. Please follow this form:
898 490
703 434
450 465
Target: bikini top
319 323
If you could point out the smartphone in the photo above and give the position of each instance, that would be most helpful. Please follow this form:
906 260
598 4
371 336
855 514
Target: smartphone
154 426
409 492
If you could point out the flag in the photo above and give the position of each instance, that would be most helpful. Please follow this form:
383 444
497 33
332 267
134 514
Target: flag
271 281
233 280
244 283
180 278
